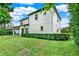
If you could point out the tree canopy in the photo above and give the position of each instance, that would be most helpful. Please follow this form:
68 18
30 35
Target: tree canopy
47 6
4 13
74 20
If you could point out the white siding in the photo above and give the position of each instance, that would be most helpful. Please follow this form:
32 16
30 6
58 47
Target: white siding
48 22
55 23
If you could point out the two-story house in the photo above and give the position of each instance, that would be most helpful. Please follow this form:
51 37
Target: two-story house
41 21
45 21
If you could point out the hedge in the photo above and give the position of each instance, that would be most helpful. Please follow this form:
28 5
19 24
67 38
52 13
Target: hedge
5 32
62 36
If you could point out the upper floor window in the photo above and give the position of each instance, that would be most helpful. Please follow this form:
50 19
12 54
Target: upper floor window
36 16
42 28
45 13
57 20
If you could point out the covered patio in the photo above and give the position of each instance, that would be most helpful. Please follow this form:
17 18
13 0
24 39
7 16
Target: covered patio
21 29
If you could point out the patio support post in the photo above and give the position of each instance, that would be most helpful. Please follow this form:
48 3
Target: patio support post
13 31
24 30
20 31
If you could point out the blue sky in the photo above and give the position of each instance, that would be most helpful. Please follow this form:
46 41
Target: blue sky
21 10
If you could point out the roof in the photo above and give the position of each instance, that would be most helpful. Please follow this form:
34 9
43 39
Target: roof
41 10
57 13
25 25
16 27
35 12
24 19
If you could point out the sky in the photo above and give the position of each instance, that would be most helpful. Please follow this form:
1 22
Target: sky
21 10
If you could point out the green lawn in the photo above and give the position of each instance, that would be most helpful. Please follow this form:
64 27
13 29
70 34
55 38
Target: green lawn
15 45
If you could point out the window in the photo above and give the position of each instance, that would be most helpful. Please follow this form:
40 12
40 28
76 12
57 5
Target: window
36 16
57 30
41 28
44 13
57 20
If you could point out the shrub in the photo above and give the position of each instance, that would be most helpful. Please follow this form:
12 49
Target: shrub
62 36
5 32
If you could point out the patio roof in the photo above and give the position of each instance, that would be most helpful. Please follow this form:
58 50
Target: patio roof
16 27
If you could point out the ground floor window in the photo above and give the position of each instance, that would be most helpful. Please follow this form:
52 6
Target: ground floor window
41 28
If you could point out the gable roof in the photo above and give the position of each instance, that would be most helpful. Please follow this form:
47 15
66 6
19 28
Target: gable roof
35 12
24 19
57 13
42 9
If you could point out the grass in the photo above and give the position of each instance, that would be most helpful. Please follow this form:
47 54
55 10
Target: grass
23 46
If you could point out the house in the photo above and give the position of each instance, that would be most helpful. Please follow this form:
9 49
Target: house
41 21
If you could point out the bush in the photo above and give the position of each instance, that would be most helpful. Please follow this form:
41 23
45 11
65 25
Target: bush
5 32
63 36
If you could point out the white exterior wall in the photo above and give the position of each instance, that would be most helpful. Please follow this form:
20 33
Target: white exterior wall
48 22
56 24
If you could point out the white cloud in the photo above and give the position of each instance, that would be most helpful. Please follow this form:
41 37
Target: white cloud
65 19
15 23
26 3
62 7
24 10
68 14
14 14
19 11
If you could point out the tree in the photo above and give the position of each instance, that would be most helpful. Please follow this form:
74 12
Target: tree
4 13
47 6
65 30
74 20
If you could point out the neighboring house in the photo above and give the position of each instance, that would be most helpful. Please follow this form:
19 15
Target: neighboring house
41 21
7 26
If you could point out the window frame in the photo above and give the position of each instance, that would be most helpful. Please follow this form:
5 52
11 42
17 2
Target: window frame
36 16
41 28
57 20
45 13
